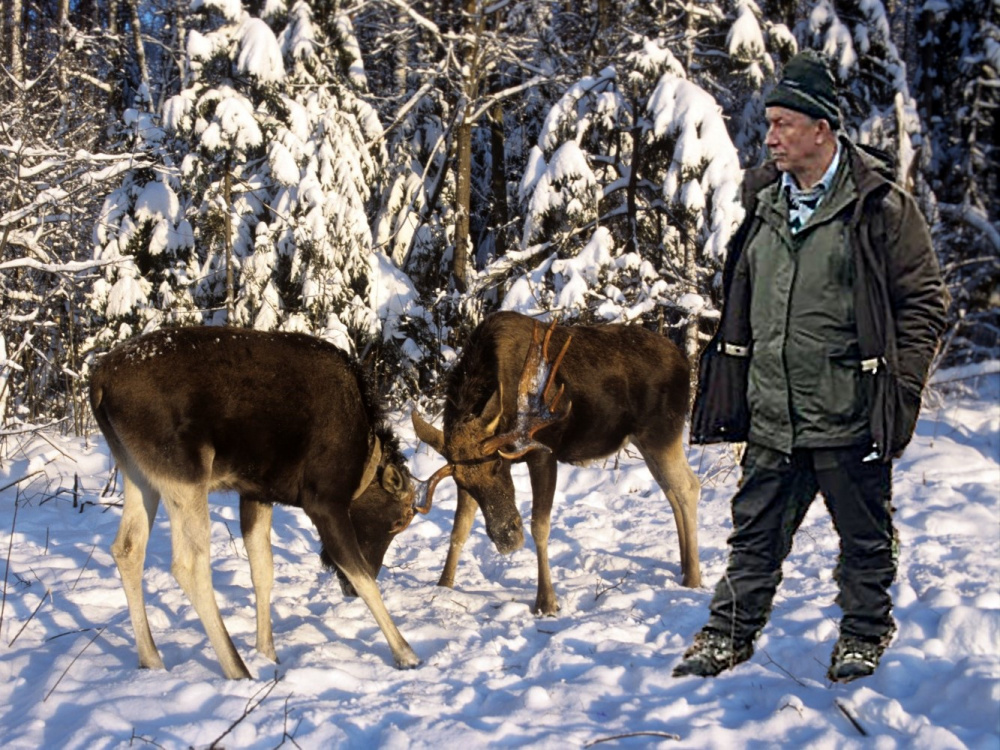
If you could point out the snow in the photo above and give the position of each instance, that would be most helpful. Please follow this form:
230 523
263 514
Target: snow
233 123
493 674
260 53
156 202
393 294
745 41
231 10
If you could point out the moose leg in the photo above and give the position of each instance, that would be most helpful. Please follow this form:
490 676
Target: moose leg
341 545
542 470
672 472
190 531
465 514
129 551
255 525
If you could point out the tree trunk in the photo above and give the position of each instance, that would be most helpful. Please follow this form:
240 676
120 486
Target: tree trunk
499 212
463 146
13 54
631 199
63 25
692 342
400 56
463 198
228 203
140 51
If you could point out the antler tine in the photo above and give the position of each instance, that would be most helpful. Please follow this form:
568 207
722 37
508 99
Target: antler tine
425 494
550 381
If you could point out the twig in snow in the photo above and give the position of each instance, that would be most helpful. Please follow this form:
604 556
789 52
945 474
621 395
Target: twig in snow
661 735
60 450
787 673
71 588
72 663
112 478
68 632
850 717
602 591
40 603
135 737
10 548
18 481
285 735
232 539
247 710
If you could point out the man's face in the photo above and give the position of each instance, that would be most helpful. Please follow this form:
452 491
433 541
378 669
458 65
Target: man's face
794 140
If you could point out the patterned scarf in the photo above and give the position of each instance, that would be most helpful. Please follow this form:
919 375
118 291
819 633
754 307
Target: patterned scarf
802 203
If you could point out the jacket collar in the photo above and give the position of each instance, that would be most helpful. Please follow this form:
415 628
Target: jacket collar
863 170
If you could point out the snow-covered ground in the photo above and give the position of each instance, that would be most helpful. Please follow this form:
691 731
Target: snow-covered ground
494 675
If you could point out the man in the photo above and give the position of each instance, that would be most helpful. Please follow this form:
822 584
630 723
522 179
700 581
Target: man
833 304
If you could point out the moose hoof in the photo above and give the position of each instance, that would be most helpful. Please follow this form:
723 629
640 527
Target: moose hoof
547 608
407 660
692 581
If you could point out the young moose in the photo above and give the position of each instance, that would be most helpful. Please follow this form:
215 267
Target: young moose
615 383
279 418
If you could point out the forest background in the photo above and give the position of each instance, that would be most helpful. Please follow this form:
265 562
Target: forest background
384 173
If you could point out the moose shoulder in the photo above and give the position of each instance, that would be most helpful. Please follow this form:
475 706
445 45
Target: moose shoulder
279 418
617 383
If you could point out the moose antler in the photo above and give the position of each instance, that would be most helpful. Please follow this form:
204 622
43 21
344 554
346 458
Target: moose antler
425 492
536 405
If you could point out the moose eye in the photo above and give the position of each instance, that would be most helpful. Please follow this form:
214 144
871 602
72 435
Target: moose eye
497 466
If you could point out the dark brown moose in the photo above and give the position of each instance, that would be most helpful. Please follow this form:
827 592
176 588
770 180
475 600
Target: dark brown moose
278 418
510 398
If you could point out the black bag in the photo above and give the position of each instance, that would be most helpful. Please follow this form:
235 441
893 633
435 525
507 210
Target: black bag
893 413
721 413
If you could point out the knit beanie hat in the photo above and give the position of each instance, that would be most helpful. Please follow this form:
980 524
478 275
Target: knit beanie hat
807 87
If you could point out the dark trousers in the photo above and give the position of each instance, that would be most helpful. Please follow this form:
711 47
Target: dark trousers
775 492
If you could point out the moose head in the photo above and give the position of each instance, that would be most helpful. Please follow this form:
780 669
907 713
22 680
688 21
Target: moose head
480 446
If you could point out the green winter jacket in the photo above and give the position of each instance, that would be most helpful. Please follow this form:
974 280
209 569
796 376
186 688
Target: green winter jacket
825 338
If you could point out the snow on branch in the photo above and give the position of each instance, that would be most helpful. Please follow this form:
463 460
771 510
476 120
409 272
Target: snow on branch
975 218
71 267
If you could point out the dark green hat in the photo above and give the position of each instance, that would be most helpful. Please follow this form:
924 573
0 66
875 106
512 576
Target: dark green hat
808 87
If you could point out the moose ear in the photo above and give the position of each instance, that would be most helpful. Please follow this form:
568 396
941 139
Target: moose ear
427 432
393 480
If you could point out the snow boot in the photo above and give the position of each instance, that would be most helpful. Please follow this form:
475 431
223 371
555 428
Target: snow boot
712 652
855 657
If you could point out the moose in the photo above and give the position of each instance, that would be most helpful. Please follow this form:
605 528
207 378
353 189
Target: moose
276 417
508 399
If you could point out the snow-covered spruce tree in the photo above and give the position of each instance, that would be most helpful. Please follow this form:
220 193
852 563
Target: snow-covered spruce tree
629 199
179 226
312 257
147 244
266 171
957 80
875 95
